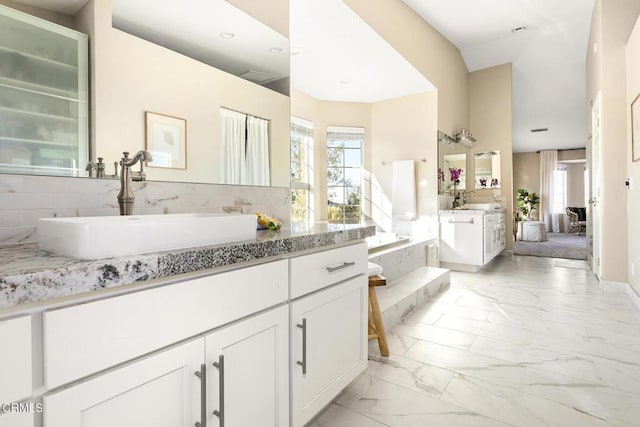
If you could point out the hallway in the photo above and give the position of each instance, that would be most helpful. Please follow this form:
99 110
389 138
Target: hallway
525 342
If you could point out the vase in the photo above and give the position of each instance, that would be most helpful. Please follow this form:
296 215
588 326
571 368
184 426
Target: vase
456 197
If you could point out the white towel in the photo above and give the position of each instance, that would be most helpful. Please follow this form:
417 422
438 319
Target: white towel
404 190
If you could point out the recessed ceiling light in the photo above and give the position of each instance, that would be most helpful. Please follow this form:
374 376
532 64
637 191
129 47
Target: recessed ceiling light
519 29
345 81
227 35
275 50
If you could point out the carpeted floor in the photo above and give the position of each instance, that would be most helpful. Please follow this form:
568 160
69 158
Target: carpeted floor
560 245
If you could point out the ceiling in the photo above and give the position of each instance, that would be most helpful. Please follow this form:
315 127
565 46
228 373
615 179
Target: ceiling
194 28
338 57
548 59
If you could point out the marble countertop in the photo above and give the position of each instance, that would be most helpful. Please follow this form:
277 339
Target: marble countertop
30 275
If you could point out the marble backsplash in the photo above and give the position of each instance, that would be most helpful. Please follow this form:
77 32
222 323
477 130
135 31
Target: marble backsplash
24 199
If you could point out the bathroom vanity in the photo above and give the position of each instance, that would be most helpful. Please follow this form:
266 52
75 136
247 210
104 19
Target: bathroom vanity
186 337
471 238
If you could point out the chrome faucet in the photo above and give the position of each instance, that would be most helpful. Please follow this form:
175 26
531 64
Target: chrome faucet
126 196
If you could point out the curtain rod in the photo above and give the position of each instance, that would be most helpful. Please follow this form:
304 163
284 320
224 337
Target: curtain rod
564 149
246 114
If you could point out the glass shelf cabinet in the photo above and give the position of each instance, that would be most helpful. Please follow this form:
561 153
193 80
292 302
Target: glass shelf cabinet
43 96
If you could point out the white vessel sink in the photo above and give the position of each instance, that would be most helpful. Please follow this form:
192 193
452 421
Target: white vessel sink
482 206
111 236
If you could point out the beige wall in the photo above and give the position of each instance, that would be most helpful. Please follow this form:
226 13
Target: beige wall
575 184
428 51
490 112
633 195
612 23
274 13
405 128
526 174
131 76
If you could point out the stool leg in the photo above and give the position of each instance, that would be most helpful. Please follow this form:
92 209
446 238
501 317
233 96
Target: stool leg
377 321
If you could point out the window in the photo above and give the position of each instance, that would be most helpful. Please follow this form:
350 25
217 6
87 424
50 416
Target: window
344 173
301 170
559 189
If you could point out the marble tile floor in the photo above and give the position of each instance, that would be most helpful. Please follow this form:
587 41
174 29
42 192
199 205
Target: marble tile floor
523 342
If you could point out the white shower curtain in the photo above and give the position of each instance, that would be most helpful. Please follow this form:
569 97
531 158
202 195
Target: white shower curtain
548 164
233 159
257 172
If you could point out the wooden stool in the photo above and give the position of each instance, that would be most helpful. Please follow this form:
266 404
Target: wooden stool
376 327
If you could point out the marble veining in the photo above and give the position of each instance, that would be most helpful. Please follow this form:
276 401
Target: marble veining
31 275
523 342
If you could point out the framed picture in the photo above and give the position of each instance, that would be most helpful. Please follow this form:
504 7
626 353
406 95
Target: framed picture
635 129
166 140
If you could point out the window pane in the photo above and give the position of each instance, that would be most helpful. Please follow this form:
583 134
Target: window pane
352 195
352 157
335 143
335 176
352 177
354 144
336 214
335 195
299 205
335 156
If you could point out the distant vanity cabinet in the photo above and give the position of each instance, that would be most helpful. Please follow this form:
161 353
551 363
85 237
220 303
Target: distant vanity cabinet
469 239
43 96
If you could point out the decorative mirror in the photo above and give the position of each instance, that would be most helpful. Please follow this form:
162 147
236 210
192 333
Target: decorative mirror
487 170
452 164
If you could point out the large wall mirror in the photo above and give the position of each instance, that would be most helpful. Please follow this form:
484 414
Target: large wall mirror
487 169
186 60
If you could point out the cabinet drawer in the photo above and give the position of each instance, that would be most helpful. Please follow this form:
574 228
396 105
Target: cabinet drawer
15 359
319 270
87 338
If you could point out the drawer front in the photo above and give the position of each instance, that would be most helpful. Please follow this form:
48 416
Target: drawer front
309 273
87 338
15 360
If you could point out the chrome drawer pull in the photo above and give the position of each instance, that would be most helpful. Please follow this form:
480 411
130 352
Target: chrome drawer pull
340 267
220 412
453 221
304 346
202 374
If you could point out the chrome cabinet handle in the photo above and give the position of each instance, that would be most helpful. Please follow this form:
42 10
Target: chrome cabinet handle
202 375
453 221
340 267
220 412
304 346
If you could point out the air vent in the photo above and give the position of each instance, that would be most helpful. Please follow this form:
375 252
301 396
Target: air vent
519 29
539 130
257 76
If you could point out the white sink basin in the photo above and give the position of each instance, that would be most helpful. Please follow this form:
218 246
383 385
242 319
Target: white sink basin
482 206
110 236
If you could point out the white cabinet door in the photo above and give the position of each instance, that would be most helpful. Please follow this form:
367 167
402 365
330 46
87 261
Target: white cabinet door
461 239
16 419
247 370
15 360
328 345
159 391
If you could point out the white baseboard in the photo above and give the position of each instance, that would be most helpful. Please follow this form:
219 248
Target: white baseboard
624 287
613 286
633 295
